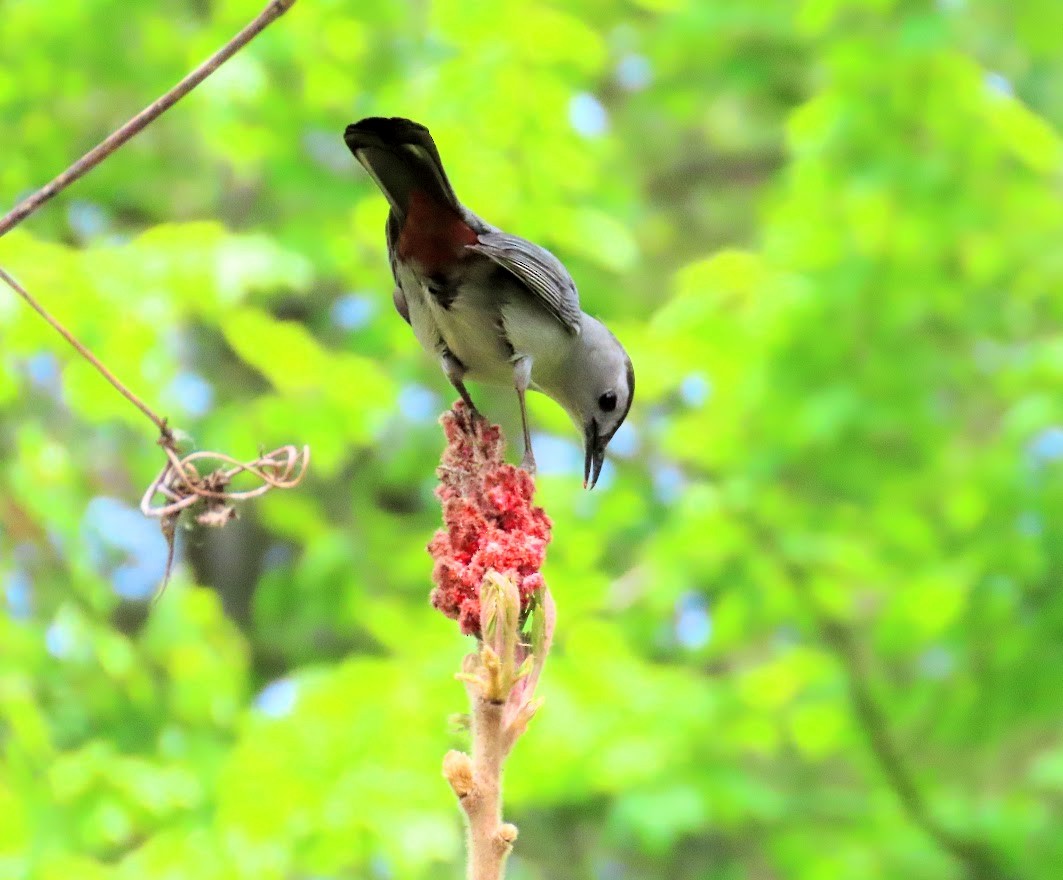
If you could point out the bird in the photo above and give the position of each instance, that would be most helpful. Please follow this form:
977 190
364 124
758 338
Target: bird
492 307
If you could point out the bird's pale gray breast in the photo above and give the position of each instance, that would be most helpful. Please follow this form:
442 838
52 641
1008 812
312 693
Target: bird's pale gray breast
486 318
508 298
462 313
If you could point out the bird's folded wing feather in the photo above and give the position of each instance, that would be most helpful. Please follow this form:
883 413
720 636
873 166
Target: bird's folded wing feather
539 270
392 228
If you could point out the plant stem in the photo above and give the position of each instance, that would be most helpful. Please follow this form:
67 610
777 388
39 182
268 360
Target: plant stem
489 840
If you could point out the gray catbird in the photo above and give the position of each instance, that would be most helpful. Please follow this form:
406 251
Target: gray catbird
491 306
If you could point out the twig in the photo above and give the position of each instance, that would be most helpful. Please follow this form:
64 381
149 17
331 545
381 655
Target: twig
179 481
274 10
101 151
160 422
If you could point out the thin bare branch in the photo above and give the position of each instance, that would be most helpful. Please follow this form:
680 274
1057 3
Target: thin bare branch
274 10
160 422
179 482
101 151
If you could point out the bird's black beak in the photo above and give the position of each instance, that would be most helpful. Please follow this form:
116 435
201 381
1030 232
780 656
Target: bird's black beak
594 452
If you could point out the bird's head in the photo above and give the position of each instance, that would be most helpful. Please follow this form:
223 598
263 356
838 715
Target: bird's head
599 385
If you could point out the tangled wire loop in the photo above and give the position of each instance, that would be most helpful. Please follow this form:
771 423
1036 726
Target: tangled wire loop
181 484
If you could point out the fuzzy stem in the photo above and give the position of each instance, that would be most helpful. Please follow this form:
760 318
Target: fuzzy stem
490 841
502 705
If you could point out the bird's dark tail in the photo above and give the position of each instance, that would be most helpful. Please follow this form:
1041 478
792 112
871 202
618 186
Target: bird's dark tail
401 157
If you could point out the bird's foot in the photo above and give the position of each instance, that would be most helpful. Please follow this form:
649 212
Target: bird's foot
466 408
469 417
468 411
527 463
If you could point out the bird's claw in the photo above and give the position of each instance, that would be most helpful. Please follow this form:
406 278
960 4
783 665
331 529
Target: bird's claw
468 415
472 414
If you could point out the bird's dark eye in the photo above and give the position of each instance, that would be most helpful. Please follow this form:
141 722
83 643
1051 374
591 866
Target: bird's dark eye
607 402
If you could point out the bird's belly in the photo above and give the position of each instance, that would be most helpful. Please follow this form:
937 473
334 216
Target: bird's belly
487 326
469 330
474 337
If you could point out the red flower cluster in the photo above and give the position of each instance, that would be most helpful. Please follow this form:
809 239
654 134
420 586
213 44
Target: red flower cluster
490 522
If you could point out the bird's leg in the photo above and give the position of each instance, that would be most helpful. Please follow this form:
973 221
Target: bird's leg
521 380
455 371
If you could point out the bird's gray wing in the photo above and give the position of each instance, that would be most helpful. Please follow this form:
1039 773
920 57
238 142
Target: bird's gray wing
539 270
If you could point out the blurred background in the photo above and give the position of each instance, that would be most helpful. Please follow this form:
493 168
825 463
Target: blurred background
811 623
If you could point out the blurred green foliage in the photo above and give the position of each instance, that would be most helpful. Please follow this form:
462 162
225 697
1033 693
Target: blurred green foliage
810 623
